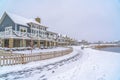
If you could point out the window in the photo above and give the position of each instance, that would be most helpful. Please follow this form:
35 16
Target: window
23 29
45 29
8 30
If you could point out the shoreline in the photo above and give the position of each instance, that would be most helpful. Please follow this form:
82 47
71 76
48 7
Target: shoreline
105 46
101 47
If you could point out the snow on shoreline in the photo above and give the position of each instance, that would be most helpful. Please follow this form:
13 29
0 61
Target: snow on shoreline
92 65
95 65
101 65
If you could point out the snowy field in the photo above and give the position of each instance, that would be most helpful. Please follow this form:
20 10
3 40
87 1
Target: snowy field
40 50
87 64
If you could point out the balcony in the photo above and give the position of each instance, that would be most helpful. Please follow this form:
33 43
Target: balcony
18 34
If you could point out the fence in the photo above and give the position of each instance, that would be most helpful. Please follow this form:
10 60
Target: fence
13 59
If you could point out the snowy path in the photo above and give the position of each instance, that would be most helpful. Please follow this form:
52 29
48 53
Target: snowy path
42 71
87 64
94 65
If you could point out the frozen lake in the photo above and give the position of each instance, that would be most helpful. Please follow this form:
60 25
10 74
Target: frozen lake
111 49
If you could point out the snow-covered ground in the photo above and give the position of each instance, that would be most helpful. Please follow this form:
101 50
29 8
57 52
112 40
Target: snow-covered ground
40 50
87 64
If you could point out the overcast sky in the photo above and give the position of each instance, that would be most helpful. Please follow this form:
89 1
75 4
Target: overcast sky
92 20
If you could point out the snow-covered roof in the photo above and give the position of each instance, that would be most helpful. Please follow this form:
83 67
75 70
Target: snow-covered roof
18 19
52 32
64 35
21 20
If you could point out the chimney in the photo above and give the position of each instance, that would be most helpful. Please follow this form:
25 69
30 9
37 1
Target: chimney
38 20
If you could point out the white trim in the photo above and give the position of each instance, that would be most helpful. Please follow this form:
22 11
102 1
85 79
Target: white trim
8 30
15 27
1 20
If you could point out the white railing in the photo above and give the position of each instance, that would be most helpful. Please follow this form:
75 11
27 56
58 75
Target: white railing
5 34
21 34
14 33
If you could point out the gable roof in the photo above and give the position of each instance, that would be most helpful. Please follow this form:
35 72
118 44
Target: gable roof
19 19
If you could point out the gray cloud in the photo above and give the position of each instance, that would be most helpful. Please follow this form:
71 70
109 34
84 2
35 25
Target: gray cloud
81 19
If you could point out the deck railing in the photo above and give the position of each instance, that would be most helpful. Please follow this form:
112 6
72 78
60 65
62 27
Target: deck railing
14 59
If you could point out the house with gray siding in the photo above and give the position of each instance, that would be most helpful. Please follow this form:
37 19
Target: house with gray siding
17 31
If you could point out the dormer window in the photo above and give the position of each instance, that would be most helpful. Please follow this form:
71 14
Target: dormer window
23 29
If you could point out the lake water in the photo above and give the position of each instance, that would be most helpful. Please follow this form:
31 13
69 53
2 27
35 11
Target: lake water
111 49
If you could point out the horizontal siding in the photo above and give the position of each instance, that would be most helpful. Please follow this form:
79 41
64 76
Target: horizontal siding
6 22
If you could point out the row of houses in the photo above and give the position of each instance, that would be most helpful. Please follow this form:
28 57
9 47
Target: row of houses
17 31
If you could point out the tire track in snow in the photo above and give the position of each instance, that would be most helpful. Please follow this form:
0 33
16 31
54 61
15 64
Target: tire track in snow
38 70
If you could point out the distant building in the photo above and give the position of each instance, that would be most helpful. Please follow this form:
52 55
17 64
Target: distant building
83 42
17 31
